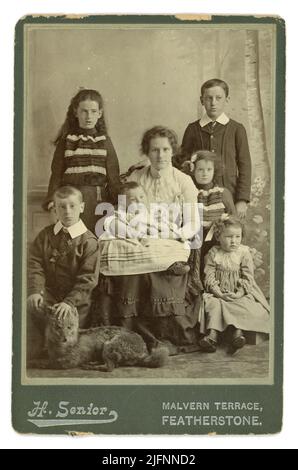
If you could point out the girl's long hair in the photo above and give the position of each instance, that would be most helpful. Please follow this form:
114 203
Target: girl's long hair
71 121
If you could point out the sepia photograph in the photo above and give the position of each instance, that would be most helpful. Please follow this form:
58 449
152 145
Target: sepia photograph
148 241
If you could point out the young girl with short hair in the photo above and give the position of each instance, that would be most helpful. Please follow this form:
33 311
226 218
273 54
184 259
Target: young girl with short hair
232 298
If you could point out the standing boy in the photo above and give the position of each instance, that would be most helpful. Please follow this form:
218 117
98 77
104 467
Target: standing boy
216 132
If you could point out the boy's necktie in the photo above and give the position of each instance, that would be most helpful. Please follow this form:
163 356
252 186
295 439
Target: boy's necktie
64 240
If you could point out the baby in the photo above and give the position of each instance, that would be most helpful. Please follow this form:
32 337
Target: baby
137 242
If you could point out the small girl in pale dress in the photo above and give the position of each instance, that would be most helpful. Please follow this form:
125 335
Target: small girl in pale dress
232 297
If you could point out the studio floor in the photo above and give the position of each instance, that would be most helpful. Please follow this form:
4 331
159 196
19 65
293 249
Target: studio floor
251 362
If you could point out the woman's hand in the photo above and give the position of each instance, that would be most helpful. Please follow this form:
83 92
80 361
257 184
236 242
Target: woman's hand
144 241
177 234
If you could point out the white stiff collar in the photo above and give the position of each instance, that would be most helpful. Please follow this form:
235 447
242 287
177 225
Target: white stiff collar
222 119
74 230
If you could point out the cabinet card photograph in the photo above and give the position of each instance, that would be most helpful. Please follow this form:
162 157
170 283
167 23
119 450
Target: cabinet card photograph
148 224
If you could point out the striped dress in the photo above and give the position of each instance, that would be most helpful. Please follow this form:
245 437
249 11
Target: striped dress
85 155
216 201
87 160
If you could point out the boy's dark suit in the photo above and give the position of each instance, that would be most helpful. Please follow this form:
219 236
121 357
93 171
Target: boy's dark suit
61 269
230 143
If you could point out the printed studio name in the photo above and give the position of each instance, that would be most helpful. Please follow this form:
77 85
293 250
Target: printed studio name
248 414
65 409
177 414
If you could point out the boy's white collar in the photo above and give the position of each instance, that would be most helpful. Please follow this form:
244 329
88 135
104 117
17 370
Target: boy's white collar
74 230
222 119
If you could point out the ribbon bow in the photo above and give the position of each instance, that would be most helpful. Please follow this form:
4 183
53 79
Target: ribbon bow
210 233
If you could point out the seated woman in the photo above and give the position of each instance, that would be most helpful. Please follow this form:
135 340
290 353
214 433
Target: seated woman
156 300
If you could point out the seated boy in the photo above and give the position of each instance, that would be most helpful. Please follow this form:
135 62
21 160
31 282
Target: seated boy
62 269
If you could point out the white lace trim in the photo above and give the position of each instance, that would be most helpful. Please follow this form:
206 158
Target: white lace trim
86 169
229 261
85 152
214 207
75 138
216 189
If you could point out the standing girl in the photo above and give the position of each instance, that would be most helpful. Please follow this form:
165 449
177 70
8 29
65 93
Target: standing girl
232 297
85 156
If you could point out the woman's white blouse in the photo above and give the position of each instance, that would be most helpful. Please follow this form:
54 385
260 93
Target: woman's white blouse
168 185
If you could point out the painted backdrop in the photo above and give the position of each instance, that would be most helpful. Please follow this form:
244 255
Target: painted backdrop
148 77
